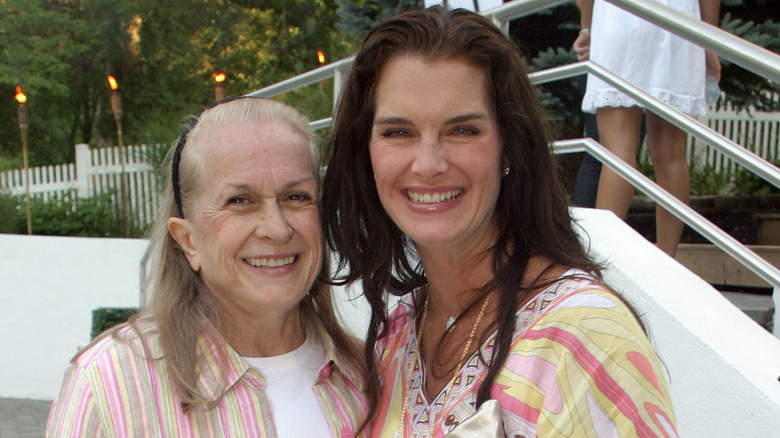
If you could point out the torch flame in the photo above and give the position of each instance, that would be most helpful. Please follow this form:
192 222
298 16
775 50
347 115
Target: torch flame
112 83
219 77
321 56
20 97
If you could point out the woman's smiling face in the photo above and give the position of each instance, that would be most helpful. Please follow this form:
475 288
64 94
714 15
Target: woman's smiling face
253 229
436 152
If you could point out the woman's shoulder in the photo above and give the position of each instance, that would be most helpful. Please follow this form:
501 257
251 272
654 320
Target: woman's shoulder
137 338
578 305
574 295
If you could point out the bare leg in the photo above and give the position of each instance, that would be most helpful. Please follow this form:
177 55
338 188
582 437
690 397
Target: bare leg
666 144
619 133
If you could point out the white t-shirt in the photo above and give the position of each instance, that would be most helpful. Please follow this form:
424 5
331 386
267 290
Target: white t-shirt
290 378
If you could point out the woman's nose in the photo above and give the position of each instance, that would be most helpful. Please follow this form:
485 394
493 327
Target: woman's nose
430 159
273 224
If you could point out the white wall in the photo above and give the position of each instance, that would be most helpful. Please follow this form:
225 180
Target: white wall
723 367
48 289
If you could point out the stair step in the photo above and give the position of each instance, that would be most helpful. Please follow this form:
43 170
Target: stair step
760 308
716 267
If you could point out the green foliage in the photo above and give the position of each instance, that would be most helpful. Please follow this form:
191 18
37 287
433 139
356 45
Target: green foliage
706 180
58 52
561 98
163 55
12 215
358 17
748 183
11 162
103 318
64 215
744 88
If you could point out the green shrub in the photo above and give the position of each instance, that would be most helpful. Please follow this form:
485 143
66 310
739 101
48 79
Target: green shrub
706 180
748 183
103 318
65 215
12 215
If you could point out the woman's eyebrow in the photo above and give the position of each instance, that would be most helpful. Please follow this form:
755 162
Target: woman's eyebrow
467 117
392 120
398 120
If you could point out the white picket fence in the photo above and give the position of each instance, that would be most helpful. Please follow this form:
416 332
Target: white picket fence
98 170
95 171
759 132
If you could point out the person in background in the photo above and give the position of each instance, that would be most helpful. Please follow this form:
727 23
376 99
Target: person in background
441 191
586 182
666 66
240 338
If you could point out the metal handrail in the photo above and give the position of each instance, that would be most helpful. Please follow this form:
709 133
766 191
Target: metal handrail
308 78
689 216
748 55
737 153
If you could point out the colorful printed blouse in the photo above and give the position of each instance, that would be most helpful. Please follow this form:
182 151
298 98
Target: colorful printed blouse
114 390
580 366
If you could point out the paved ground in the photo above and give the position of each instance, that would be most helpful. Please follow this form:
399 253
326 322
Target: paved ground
21 418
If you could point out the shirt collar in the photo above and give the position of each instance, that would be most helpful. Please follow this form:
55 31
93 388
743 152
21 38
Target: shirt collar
211 380
336 360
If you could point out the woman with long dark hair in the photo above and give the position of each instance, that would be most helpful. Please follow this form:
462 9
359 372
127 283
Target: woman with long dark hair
441 190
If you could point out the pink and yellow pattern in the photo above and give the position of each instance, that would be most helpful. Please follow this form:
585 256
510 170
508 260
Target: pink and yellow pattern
580 365
115 389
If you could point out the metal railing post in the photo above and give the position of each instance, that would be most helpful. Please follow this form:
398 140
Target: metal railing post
776 316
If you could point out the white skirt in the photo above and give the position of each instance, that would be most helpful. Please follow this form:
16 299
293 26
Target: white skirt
663 64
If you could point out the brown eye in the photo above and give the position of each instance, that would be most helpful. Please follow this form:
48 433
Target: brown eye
395 133
300 197
466 130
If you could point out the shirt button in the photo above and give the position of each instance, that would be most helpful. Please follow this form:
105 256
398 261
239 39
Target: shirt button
325 373
346 433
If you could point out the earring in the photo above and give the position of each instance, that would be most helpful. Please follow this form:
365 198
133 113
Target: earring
506 171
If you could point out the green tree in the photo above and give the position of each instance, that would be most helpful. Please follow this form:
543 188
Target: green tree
358 17
163 55
57 50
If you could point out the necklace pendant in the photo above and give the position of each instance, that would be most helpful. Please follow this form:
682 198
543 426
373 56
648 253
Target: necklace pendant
450 322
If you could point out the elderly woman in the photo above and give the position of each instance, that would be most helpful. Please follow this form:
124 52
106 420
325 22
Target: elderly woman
441 189
240 338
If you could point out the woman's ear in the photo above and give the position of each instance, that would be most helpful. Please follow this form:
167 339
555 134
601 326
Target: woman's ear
181 231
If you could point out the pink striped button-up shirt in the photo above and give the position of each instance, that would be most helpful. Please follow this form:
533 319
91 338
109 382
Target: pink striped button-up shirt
115 389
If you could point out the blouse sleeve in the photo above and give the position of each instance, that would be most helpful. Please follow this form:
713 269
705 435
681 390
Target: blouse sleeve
75 412
585 367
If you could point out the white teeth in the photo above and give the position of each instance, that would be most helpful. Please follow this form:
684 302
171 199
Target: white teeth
428 198
271 263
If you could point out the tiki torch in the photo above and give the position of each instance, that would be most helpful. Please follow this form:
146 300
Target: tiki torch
116 108
22 115
219 89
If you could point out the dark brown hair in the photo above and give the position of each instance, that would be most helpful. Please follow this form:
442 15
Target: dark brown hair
532 208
